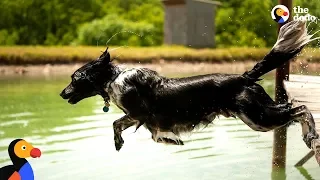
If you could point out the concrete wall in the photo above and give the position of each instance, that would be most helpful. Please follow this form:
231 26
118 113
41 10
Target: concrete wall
200 24
189 23
175 25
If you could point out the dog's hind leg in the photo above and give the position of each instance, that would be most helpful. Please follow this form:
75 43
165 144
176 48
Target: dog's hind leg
304 116
270 116
309 133
261 113
119 126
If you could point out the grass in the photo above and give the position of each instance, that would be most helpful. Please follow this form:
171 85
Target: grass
19 55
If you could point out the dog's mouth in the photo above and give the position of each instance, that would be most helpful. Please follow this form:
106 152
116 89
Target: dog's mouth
74 99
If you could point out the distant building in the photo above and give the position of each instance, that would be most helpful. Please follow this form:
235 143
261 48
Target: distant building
190 22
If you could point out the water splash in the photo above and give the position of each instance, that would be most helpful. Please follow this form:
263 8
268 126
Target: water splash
125 31
308 26
311 35
118 48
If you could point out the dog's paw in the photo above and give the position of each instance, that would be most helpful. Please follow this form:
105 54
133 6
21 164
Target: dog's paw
317 156
118 142
309 138
316 147
170 141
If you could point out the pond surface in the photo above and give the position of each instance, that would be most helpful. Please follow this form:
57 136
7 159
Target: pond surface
77 141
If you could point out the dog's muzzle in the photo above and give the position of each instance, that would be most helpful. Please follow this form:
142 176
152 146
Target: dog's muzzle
67 92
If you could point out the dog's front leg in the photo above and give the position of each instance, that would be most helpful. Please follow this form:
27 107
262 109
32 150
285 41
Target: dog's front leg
119 126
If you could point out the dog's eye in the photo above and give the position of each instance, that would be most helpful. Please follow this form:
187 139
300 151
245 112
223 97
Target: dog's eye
79 75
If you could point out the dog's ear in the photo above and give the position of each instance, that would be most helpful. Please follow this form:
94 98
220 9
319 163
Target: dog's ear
105 56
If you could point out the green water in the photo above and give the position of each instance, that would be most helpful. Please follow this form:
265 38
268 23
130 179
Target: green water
77 141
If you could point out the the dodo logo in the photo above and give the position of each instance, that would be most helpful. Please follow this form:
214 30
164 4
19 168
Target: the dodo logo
280 14
20 169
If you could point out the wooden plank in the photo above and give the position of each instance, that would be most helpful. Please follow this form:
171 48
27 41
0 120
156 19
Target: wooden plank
302 85
302 93
301 89
304 78
316 115
317 120
314 108
306 98
305 90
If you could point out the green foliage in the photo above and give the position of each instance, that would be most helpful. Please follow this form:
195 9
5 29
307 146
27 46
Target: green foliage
91 22
114 30
249 38
46 22
245 23
151 13
128 22
7 38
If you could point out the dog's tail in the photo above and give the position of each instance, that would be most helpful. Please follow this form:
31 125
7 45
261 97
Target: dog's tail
292 37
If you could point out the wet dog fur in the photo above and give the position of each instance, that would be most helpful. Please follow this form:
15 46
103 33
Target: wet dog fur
168 107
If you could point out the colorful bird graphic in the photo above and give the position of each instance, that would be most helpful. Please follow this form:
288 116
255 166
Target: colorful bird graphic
279 13
21 169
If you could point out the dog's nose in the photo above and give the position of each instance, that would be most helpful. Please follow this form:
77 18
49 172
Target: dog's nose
63 94
67 92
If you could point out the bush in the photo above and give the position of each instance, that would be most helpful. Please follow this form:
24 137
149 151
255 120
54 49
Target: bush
113 30
7 38
245 23
241 38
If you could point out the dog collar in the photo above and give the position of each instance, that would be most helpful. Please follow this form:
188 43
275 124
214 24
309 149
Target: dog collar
107 86
106 107
113 78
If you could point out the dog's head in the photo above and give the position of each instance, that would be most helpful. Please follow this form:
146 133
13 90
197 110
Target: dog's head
90 79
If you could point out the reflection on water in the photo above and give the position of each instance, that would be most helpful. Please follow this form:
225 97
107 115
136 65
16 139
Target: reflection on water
77 141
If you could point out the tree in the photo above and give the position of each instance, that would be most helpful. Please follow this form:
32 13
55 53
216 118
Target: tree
46 22
245 23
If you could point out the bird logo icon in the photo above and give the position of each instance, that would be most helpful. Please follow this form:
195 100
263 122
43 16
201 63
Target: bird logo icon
20 169
280 14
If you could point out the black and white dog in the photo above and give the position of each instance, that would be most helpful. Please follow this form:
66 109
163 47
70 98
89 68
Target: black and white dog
168 107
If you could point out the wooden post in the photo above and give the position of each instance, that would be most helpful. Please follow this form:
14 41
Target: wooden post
280 134
305 158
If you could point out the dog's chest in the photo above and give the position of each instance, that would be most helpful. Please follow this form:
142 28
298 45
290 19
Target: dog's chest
118 87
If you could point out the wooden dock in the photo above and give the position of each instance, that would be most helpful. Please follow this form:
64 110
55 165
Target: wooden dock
305 90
